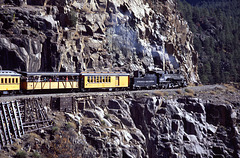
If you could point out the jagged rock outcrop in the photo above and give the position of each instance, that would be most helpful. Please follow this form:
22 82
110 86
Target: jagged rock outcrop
139 124
54 35
157 127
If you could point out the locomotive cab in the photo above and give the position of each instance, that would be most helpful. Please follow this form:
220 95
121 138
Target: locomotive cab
171 80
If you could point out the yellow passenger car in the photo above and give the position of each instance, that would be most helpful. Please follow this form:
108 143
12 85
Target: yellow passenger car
104 80
9 81
49 81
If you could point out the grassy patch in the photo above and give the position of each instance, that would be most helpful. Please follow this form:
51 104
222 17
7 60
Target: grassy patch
189 92
213 92
160 93
34 135
179 91
231 88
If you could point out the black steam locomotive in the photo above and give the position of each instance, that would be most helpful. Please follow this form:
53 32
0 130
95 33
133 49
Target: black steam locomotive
158 79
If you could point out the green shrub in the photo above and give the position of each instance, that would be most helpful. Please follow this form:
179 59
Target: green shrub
55 129
70 125
107 116
103 122
21 154
36 155
146 94
72 18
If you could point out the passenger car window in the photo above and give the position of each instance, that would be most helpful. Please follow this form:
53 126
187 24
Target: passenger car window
97 79
88 79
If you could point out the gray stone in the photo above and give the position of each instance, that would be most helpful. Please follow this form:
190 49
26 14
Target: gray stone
128 36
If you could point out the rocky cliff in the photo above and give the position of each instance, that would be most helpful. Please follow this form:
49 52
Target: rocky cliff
114 35
140 125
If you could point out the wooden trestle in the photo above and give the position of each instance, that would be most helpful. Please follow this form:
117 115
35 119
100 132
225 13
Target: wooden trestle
20 117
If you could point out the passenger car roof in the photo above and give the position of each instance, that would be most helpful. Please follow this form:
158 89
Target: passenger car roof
49 74
104 74
9 73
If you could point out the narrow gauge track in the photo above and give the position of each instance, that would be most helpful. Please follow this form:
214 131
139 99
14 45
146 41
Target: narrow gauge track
104 93
77 94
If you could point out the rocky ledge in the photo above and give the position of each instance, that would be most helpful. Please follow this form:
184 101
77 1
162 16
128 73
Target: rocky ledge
142 125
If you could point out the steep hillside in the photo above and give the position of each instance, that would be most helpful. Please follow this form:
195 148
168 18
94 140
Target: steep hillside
106 35
215 25
142 124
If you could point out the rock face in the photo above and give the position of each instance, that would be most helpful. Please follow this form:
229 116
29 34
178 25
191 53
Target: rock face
76 35
139 125
155 127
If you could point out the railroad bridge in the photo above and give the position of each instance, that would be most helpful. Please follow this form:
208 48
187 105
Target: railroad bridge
25 114
20 117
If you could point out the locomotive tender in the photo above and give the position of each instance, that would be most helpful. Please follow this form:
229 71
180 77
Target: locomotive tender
28 82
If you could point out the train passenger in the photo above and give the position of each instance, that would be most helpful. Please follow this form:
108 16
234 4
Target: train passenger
29 79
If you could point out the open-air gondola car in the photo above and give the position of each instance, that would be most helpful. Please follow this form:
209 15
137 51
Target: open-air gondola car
31 81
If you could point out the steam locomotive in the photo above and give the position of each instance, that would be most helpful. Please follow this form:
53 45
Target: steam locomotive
30 82
157 79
